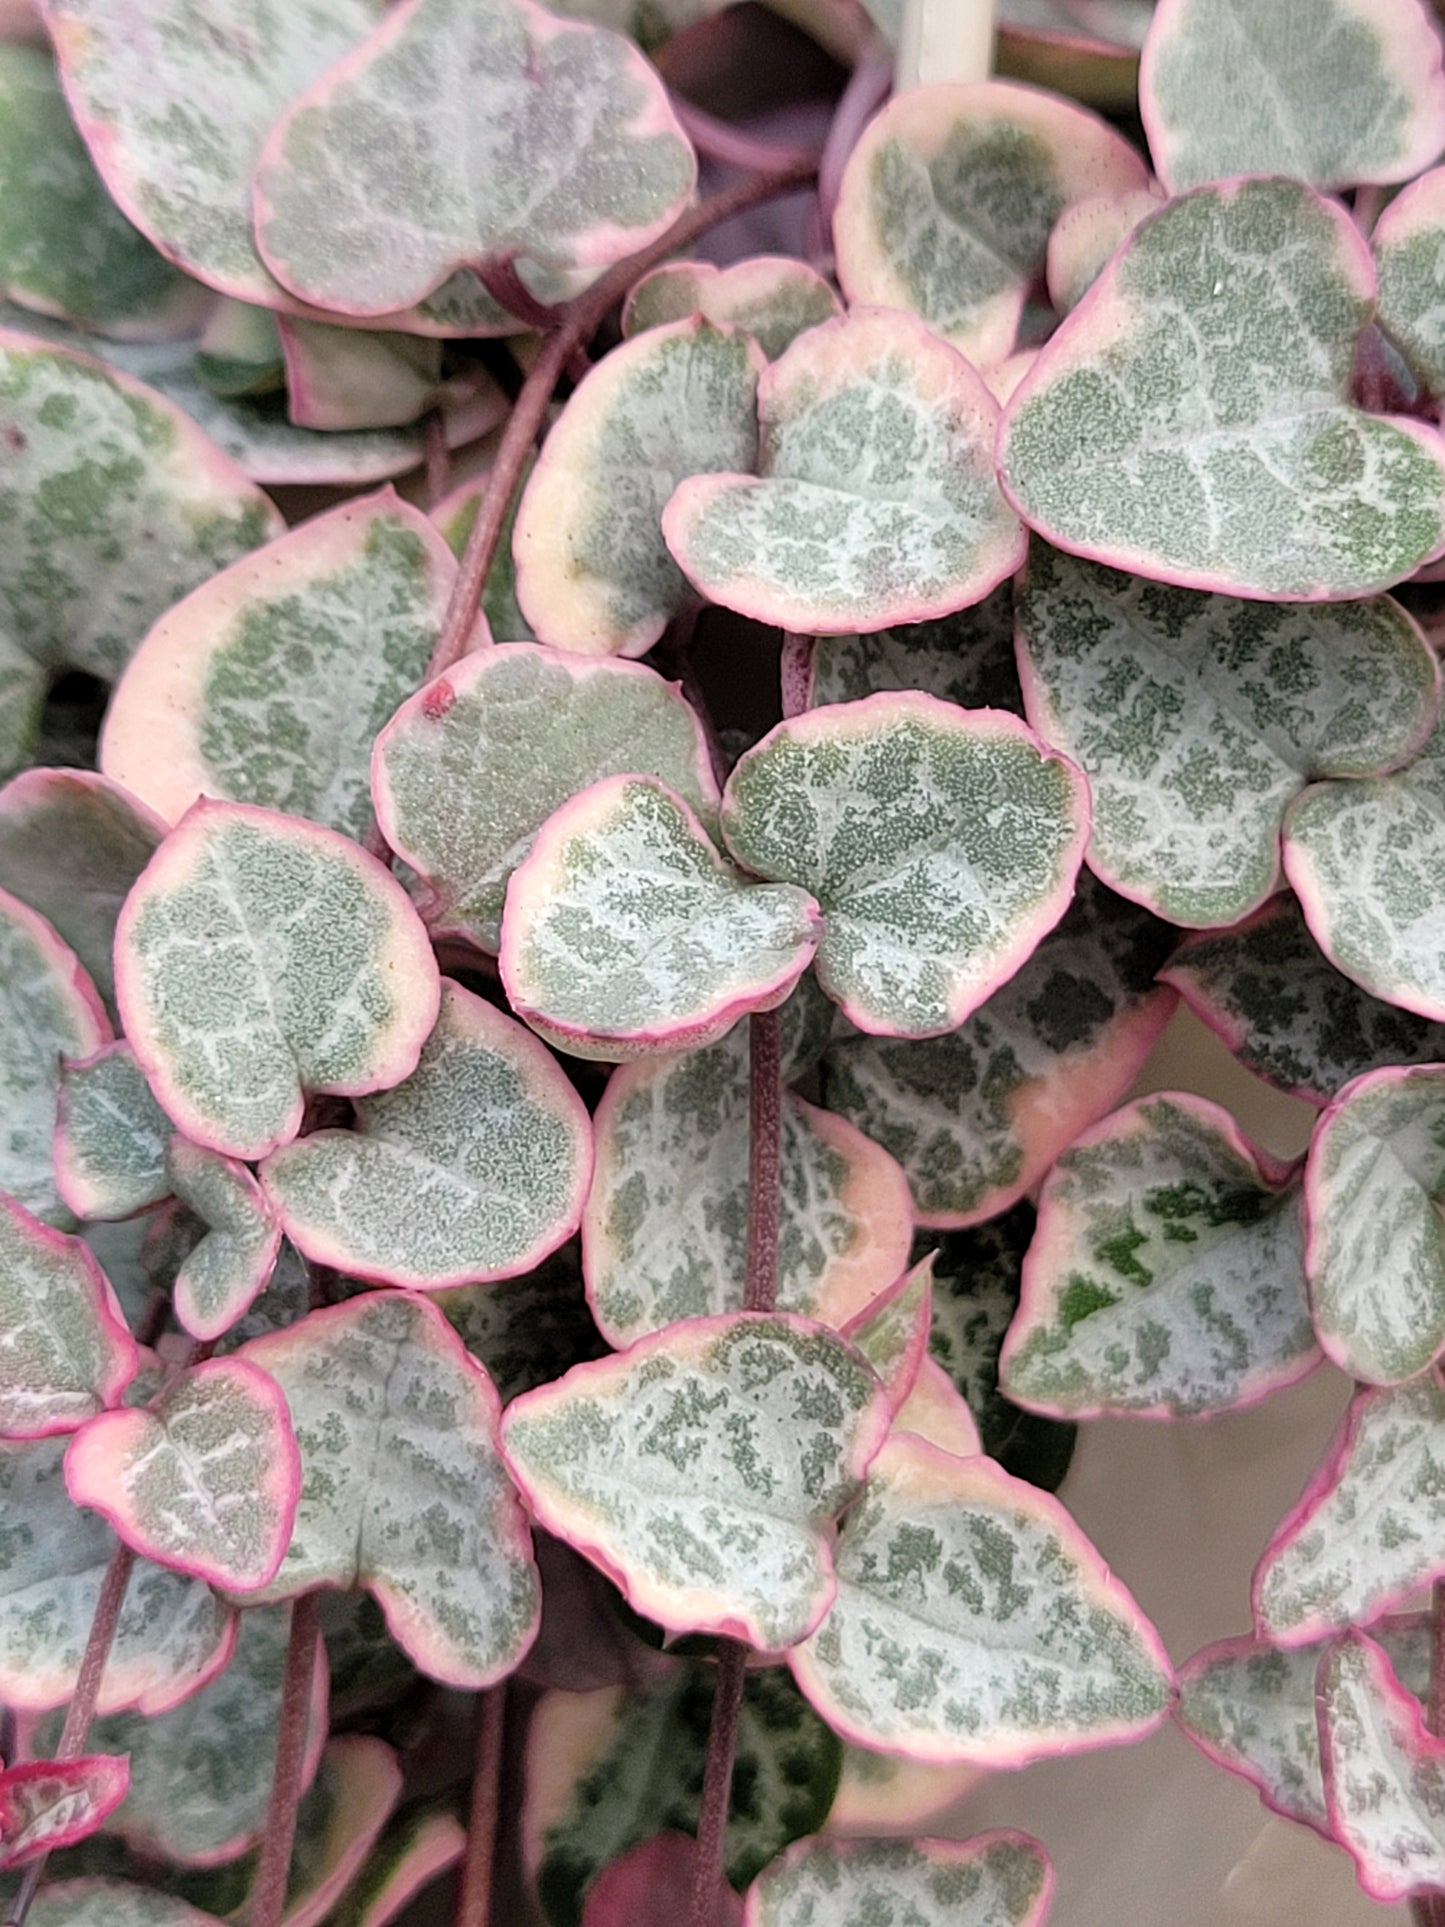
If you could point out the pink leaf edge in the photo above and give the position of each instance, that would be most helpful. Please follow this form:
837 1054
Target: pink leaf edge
102 1779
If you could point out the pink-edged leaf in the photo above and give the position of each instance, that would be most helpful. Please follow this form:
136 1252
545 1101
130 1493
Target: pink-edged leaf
652 1886
608 1770
998 1879
112 1903
65 1350
402 1487
238 352
1366 1531
49 1804
771 297
948 200
1166 1277
357 1786
976 1116
49 1010
892 1330
414 1850
475 1167
1250 1706
231 1264
1334 92
514 137
204 1480
626 933
1191 420
1375 1251
593 572
956 1585
1406 242
702 1467
966 658
1270 994
111 1137
315 974
942 845
268 683
1084 237
1173 704
664 1234
345 378
875 500
881 1793
1384 1772
71 845
938 1413
471 766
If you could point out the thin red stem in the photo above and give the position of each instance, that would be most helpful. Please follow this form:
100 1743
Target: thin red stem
717 1785
474 1903
268 1896
765 1119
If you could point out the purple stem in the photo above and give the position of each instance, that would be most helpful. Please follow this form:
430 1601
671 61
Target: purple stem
474 1903
717 1784
796 668
730 146
268 1896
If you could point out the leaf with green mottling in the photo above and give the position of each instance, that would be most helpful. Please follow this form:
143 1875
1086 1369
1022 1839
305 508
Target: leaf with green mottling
1251 1707
227 1269
941 844
1411 270
976 1116
974 1621
529 1330
1199 718
625 932
1367 1530
966 658
1334 92
112 1903
268 684
72 843
875 500
1375 1254
471 767
1288 1015
608 1770
948 200
593 572
65 248
260 958
892 1331
239 350
46 1805
173 1635
476 1166
1384 1773
65 1351
48 1011
1191 420
701 1469
511 137
993 1880
346 378
110 1137
771 297
403 1490
665 1231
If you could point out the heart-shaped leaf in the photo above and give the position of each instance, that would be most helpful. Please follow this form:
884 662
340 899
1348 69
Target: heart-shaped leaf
607 1770
112 1903
471 767
1367 1530
993 1880
625 932
1251 1707
1367 861
203 1480
65 1351
111 1137
1198 719
476 1166
975 1117
65 248
1384 1773
702 1468
512 135
526 1331
268 684
1226 87
48 1010
49 1804
1191 420
1375 1255
593 572
1166 1278
1407 241
892 1331
415 1849
771 297
1287 1014
875 500
966 658
960 1591
229 1266
948 199
315 974
402 1487
664 1235
71 845
941 844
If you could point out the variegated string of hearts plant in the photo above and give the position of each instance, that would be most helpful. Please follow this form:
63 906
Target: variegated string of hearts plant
552 1242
